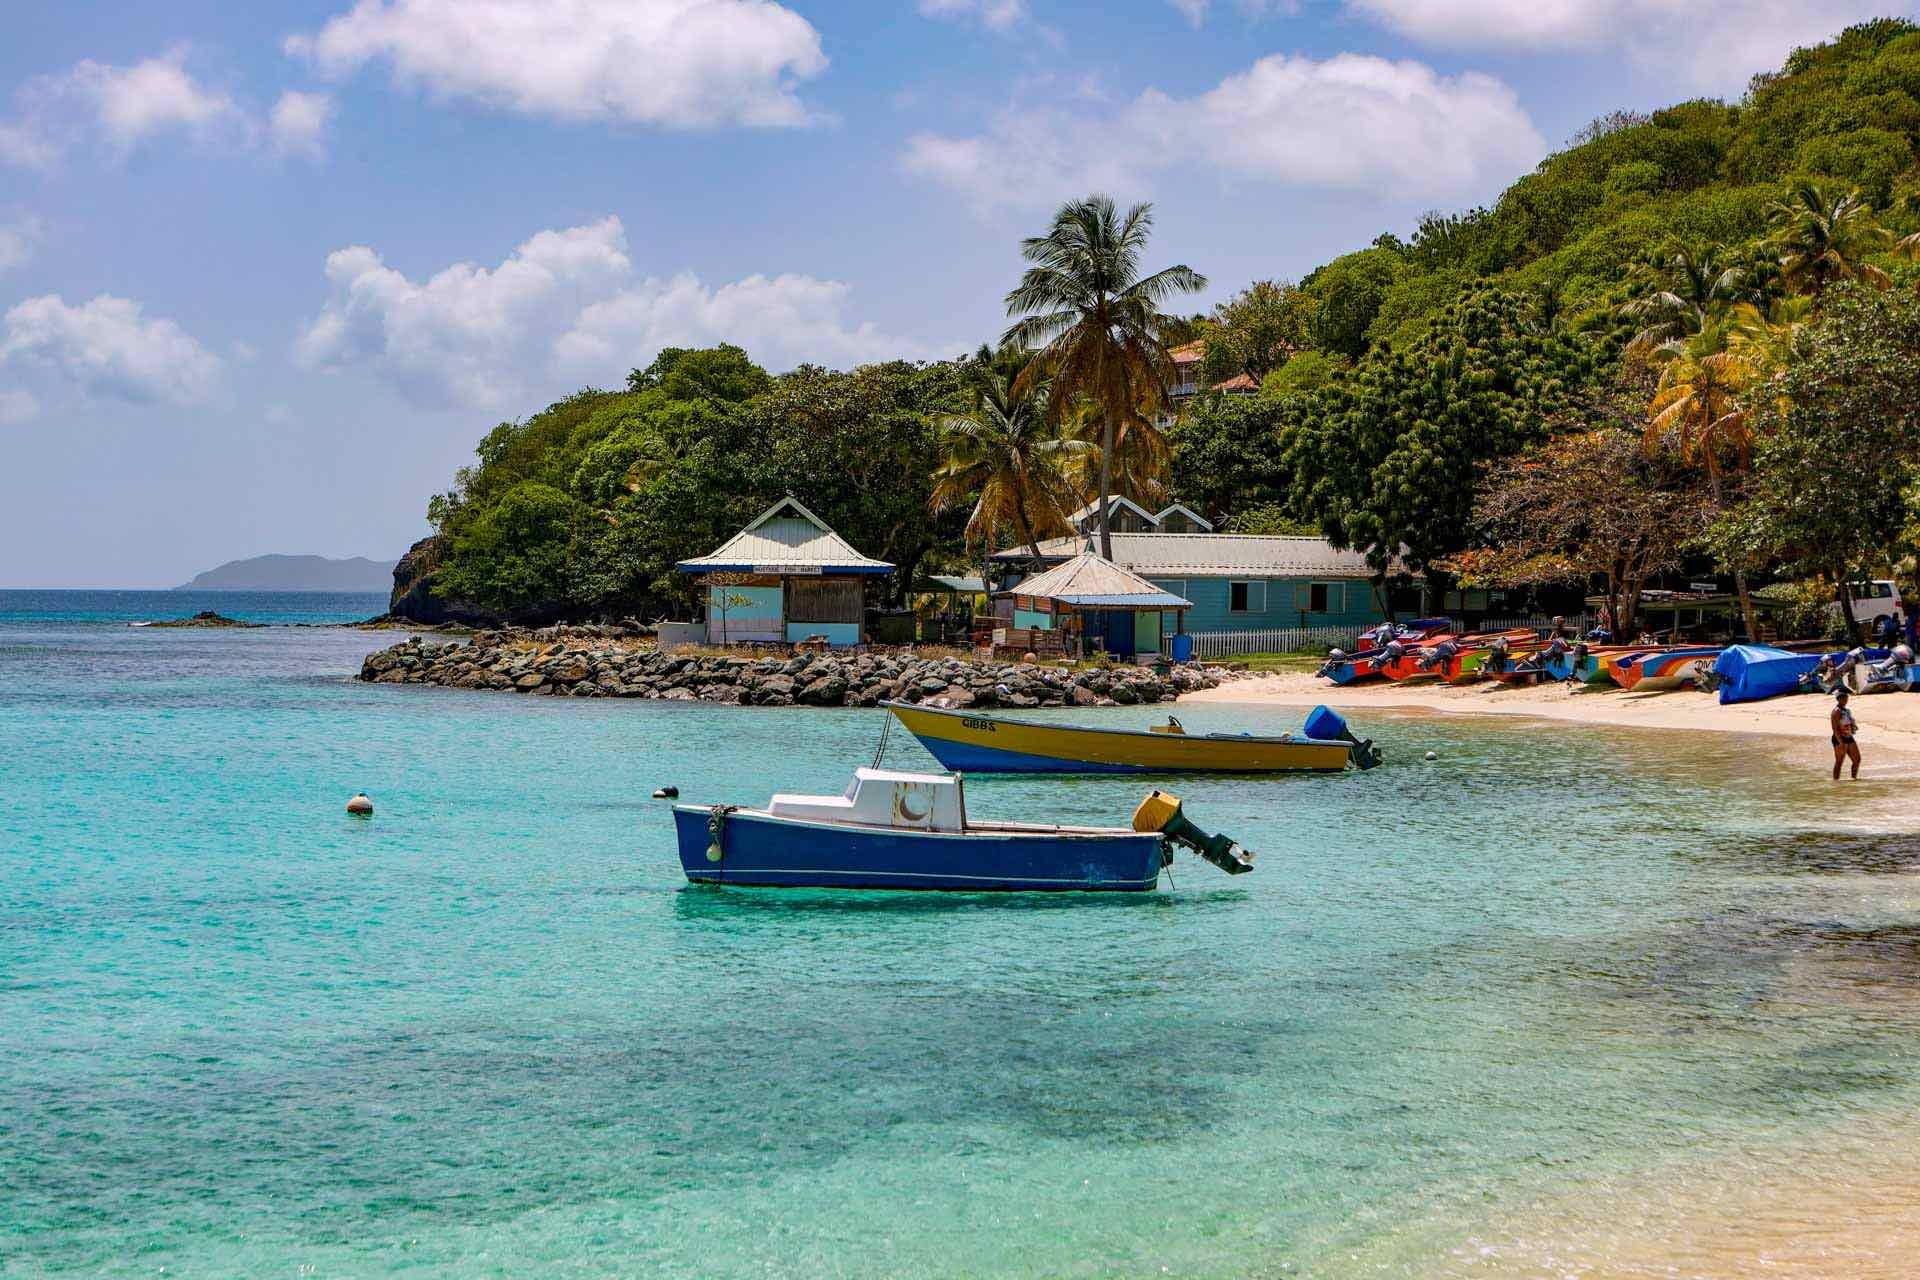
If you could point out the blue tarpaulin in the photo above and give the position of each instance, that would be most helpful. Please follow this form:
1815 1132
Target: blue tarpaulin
1750 672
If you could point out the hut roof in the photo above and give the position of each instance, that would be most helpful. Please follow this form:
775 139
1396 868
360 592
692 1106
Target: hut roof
786 538
1087 581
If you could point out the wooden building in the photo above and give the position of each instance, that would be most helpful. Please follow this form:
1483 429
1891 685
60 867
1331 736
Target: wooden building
785 578
1240 582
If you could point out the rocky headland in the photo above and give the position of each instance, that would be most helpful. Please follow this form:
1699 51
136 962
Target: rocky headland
616 662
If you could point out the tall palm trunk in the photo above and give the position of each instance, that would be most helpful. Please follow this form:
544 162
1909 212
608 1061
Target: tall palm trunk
1024 524
1845 596
1739 574
1106 486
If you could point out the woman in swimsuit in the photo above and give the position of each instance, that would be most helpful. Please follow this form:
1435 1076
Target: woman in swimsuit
1844 746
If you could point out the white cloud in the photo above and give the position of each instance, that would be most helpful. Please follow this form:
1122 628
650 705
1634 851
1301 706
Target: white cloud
153 96
673 63
108 349
125 107
1663 36
782 320
22 143
17 241
995 15
1348 121
563 306
16 407
1195 11
298 124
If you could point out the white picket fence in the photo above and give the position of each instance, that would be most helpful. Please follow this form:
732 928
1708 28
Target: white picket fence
1232 644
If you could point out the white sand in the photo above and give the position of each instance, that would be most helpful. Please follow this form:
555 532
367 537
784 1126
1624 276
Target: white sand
1889 722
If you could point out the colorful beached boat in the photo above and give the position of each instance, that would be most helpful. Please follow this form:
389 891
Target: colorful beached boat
1666 669
892 830
1534 667
1455 659
1597 666
1365 664
968 742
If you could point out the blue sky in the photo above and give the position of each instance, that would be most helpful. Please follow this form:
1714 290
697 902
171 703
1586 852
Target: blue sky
268 271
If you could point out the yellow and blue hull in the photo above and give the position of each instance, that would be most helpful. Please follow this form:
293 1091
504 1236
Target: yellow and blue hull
965 743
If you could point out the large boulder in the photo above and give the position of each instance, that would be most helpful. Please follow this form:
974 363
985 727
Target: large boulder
828 691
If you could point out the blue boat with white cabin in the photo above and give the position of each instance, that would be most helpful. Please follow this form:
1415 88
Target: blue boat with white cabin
896 830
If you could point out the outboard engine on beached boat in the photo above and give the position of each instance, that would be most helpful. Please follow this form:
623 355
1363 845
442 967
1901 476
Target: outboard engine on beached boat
1325 723
1161 812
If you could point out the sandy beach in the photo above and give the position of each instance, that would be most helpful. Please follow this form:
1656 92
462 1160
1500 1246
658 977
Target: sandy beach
1889 722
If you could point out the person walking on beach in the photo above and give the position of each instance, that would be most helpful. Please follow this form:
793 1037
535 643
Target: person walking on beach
1844 745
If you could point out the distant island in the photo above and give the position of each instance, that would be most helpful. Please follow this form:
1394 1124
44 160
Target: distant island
296 573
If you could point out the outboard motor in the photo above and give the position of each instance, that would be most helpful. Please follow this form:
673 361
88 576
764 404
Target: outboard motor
1325 723
1161 812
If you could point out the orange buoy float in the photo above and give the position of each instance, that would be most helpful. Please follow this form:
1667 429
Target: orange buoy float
360 806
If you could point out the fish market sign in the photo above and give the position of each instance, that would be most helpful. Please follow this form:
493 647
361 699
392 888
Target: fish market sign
789 570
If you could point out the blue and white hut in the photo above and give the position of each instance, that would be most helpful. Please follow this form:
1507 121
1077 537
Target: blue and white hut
785 578
1096 604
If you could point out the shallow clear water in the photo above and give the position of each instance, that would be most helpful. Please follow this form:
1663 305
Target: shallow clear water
493 1032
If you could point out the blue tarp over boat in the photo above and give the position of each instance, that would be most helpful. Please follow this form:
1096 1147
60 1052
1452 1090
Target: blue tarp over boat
1750 672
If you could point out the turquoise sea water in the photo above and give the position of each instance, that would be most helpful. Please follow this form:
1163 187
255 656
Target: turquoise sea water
492 1032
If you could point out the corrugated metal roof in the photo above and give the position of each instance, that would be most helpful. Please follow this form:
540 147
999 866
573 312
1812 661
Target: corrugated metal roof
1187 511
1089 581
1116 500
786 537
1219 555
955 583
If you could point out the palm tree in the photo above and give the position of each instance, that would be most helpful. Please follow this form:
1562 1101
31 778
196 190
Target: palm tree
1677 290
1821 238
1008 452
1909 246
1096 323
1700 408
1766 341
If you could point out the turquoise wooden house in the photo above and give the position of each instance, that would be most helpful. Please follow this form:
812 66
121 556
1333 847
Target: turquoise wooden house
785 578
1239 582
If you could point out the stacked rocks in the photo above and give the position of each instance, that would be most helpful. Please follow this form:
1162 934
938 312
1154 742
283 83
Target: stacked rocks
591 663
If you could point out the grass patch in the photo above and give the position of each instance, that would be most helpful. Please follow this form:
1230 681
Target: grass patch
1276 663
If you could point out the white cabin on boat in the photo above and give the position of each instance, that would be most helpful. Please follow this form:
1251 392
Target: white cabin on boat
883 798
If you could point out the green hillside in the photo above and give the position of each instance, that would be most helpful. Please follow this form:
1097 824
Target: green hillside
584 507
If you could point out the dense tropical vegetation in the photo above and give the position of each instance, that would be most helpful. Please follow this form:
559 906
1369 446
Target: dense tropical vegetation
1703 317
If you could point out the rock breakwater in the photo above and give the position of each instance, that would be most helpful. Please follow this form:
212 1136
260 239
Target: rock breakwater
609 662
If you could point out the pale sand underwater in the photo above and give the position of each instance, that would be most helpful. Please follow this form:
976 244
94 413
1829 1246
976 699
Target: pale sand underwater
1850 1209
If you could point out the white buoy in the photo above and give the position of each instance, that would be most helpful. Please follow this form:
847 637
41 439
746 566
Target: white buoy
360 806
1433 755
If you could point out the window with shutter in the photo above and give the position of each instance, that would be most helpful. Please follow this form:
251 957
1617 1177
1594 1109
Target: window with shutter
823 600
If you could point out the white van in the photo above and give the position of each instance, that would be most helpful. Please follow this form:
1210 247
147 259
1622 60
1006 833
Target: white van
1871 601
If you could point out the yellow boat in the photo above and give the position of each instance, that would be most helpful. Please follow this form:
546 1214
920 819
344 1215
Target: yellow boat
966 742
